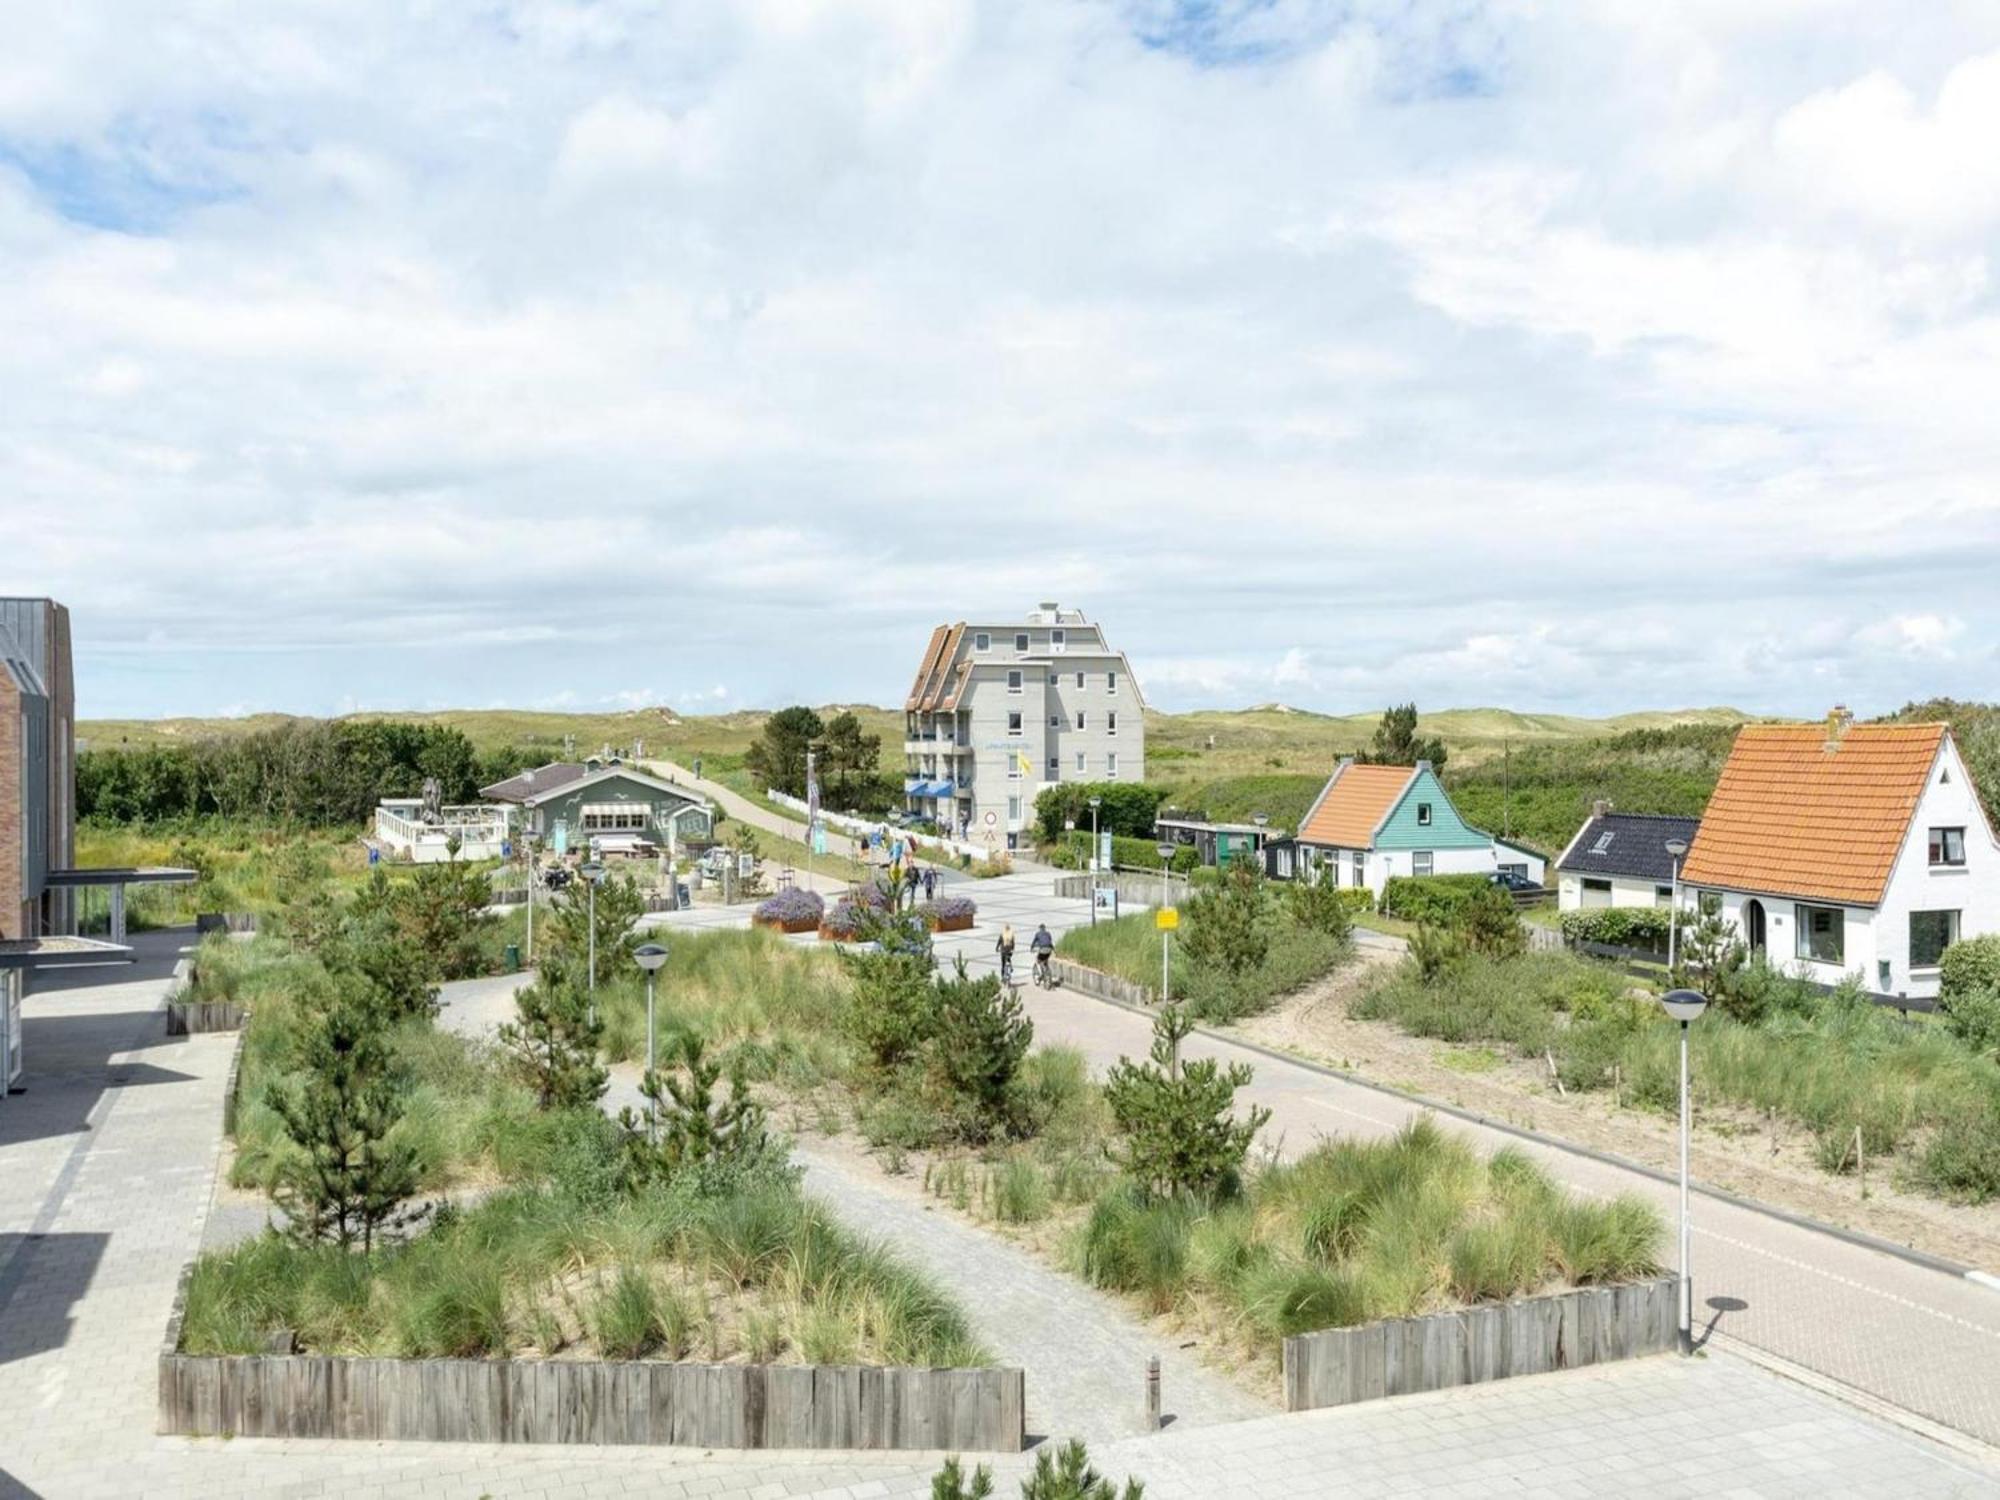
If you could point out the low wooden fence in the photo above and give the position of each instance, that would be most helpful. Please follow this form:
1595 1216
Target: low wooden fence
1402 1356
577 1401
1096 982
586 1401
192 1017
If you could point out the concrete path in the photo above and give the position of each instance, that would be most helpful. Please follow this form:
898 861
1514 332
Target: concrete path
106 1165
1917 1338
1084 1352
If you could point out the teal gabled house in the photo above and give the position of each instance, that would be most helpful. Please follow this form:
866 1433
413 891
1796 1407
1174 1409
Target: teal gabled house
1370 823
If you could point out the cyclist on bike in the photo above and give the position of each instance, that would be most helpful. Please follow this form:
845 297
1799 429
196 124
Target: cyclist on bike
1043 947
1006 947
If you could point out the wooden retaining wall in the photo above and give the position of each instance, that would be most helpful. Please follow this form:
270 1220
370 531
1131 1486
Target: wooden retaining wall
204 1015
1402 1356
1134 887
586 1401
576 1401
1096 982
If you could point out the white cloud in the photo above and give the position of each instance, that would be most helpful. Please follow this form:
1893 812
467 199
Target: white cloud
1327 352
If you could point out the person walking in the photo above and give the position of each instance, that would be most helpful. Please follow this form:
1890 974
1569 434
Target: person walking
930 885
910 878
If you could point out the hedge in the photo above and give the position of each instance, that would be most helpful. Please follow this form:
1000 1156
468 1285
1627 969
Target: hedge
1143 854
1621 926
1969 967
1126 810
1436 899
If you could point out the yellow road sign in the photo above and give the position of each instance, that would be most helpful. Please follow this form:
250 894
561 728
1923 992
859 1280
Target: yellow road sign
1167 918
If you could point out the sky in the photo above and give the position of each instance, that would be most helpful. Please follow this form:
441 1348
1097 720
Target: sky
536 353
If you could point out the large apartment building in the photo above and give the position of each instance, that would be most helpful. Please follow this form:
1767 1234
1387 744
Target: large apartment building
999 711
37 767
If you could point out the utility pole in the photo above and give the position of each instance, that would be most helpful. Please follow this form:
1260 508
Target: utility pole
1506 788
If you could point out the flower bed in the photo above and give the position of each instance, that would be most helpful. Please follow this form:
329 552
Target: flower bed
790 911
948 913
843 923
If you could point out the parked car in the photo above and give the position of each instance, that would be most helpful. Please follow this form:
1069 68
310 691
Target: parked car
1513 880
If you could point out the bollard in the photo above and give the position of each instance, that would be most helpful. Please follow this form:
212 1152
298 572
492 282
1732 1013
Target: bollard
1153 1393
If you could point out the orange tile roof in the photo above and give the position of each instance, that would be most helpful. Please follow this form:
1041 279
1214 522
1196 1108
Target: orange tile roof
1793 818
1353 805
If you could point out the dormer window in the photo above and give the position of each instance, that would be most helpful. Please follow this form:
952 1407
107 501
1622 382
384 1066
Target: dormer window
1423 815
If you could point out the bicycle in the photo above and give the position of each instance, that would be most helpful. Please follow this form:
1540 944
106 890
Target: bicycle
1006 967
1045 971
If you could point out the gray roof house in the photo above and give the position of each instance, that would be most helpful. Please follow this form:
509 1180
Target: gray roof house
1622 859
626 811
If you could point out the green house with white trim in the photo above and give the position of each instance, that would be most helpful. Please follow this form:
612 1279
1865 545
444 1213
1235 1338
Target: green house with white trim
566 805
1372 823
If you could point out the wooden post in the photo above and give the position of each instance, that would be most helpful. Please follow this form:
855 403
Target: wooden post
1153 1393
1860 1161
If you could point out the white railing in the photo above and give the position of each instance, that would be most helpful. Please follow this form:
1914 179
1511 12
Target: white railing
469 825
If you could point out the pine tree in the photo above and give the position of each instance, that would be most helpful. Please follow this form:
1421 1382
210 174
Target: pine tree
979 1037
1227 931
1067 1475
696 1131
1318 906
351 1177
555 1040
1180 1135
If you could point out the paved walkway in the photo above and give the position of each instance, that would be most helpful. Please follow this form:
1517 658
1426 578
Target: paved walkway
1919 1339
106 1167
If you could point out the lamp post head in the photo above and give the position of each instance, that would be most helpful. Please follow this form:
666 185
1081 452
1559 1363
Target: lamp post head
1095 803
1260 819
1684 1005
1677 847
650 956
591 870
1166 851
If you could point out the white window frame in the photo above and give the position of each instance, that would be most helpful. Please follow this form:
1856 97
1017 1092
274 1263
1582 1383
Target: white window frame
982 642
1802 936
1110 682
1940 841
1957 925
1021 642
1111 723
1082 763
1016 680
1422 862
1079 719
1014 728
1079 681
1058 640
1111 765
1423 815
1360 866
1055 768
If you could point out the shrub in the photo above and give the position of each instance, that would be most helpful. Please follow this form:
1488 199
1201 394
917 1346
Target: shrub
1126 809
1181 1137
793 908
1490 925
1228 927
554 1040
1621 926
979 1036
844 922
1430 898
889 1015
1969 991
1322 906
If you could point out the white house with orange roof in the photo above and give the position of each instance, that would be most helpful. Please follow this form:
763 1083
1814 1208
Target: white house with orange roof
1848 850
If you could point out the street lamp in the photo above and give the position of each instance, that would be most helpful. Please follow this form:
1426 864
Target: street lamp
1685 1006
1095 803
650 957
1166 936
592 872
1676 848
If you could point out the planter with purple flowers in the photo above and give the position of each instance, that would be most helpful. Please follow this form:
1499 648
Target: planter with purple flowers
843 923
948 913
790 911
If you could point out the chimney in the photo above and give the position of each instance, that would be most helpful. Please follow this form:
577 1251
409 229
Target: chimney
1600 807
1838 722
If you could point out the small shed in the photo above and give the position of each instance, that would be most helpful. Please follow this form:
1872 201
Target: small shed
1218 843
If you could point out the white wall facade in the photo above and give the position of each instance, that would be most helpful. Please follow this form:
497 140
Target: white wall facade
1625 891
1381 865
1876 948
